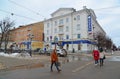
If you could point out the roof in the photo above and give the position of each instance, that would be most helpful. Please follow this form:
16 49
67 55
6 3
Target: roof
66 9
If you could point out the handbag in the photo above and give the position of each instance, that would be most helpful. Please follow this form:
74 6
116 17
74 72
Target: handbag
104 57
58 63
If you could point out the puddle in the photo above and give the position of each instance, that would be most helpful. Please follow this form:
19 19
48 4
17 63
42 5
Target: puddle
114 58
77 58
71 58
63 60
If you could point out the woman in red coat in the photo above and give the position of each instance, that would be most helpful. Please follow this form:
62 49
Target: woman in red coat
96 55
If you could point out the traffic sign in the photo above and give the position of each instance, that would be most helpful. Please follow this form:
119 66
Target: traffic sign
55 39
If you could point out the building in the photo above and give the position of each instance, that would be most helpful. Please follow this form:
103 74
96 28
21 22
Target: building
73 29
28 36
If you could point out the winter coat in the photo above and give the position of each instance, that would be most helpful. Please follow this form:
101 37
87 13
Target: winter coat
96 54
102 54
54 57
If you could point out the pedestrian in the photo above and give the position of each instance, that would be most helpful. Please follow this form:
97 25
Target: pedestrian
96 55
54 60
102 56
30 52
44 50
11 48
73 50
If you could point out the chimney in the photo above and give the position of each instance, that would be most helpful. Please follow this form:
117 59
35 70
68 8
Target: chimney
84 7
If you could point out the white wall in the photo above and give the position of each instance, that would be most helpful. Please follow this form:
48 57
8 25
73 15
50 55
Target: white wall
72 28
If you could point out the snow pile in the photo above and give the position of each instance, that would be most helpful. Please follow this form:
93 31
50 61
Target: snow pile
14 54
4 54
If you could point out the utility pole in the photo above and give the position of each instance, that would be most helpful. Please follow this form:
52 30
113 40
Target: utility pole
30 37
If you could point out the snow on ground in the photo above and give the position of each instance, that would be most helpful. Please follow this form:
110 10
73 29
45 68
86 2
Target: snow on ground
14 54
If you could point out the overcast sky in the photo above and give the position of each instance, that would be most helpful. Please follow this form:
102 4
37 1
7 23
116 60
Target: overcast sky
30 11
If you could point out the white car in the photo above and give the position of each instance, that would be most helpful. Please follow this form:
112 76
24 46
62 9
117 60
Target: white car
62 52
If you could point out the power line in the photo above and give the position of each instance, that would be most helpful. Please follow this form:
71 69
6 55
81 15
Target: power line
26 8
108 7
16 14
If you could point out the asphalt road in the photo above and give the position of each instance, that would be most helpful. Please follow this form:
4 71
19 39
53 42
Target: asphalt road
79 69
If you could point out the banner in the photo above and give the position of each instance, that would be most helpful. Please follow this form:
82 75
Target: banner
89 24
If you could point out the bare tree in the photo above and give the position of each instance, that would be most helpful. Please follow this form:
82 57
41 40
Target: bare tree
103 41
5 26
100 39
109 43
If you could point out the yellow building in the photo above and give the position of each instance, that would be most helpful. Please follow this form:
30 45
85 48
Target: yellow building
28 36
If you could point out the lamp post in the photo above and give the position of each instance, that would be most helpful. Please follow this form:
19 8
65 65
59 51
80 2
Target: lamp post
50 42
94 36
30 42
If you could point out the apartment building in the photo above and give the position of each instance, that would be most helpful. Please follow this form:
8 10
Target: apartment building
73 29
28 36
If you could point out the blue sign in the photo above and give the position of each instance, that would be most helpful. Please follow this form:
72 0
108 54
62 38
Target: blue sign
89 24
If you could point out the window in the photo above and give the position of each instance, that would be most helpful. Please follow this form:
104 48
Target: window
60 29
55 23
60 21
67 20
67 28
78 17
55 31
78 35
78 27
61 37
74 18
48 25
67 36
47 38
29 29
47 31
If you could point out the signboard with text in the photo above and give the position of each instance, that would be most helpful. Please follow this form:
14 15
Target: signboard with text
89 24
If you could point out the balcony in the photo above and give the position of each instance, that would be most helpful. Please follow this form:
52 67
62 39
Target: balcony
61 25
60 32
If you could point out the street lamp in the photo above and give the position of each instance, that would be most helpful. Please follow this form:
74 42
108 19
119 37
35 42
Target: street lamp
55 41
31 36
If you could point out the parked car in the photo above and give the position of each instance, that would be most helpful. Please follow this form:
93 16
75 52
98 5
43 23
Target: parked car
62 52
48 52
37 50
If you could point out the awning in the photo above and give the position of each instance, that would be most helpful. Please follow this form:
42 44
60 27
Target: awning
75 42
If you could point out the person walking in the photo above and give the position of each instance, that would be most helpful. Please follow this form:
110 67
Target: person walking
54 60
96 55
102 56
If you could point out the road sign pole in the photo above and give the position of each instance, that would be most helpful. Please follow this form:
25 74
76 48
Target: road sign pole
55 41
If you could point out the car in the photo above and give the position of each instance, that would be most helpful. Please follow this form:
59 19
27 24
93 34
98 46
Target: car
62 52
48 52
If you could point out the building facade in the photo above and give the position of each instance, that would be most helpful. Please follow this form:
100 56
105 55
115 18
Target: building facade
73 29
28 36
